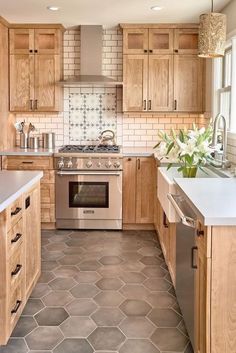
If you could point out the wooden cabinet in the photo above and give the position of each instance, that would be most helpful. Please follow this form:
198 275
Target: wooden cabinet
19 257
138 191
188 83
35 68
162 71
47 183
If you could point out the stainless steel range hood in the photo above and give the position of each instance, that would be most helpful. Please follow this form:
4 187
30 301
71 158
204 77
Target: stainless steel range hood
90 60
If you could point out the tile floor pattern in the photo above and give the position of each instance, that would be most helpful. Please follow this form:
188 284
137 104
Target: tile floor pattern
101 292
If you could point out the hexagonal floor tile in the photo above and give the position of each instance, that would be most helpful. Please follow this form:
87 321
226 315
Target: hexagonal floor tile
74 345
151 260
110 260
49 265
157 284
131 255
75 242
81 307
89 265
138 346
25 325
77 327
134 291
109 284
169 339
66 271
164 317
108 317
131 266
51 316
61 283
44 338
149 251
51 255
154 271
135 307
40 290
57 298
76 250
58 238
161 300
84 290
56 246
15 345
46 277
132 277
106 338
137 327
110 271
87 277
108 298
32 307
70 260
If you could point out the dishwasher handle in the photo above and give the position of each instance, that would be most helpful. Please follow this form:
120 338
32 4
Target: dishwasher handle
187 221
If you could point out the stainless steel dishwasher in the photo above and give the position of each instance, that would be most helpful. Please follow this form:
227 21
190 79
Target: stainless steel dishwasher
185 256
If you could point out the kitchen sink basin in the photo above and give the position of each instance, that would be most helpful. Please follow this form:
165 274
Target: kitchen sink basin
166 185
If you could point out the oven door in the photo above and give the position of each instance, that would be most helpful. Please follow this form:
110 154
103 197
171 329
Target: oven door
89 195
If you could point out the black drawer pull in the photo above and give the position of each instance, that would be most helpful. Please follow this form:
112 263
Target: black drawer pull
17 270
17 210
17 237
16 307
27 162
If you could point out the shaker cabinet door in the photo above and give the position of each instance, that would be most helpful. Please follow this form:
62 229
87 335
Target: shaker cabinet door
135 41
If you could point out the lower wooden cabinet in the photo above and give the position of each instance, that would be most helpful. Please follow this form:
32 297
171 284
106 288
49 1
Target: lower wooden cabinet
20 249
45 164
138 191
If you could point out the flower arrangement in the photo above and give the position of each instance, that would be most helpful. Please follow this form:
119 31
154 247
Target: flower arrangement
190 148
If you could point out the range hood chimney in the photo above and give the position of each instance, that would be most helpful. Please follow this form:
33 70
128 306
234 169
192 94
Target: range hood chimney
90 59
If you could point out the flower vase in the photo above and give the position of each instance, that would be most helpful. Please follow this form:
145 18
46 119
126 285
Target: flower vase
189 172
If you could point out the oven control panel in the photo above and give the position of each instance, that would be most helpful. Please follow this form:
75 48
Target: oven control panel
88 163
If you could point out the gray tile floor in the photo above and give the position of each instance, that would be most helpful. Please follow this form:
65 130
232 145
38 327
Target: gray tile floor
101 292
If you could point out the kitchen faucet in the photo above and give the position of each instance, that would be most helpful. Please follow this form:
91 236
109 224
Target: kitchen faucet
225 162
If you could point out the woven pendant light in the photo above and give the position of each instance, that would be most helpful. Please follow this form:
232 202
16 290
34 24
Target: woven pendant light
212 34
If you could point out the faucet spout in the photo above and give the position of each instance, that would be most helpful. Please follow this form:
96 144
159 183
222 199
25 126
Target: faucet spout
218 118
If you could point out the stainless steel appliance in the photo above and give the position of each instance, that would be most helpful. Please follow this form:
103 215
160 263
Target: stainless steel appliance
185 260
89 187
48 140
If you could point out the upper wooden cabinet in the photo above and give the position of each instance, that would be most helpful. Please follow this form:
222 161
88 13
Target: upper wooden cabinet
41 41
135 41
161 41
186 41
35 68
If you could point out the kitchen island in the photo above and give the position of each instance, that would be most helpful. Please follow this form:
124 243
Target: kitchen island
20 243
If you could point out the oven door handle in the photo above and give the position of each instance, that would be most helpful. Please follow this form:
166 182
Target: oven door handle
67 173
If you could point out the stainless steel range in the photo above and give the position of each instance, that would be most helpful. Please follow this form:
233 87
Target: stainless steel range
89 187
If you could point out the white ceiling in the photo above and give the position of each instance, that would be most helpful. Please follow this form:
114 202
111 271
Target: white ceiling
105 12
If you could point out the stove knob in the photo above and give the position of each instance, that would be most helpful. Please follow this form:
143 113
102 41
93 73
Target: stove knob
70 163
108 164
99 164
117 165
89 164
61 163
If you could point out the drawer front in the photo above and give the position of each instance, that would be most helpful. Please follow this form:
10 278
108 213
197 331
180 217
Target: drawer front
48 213
48 177
16 267
47 193
14 238
16 304
14 212
29 163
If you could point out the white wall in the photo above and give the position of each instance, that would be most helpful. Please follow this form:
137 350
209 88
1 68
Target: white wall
230 12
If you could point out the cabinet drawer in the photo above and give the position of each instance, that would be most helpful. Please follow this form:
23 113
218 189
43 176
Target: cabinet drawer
16 305
28 163
48 177
14 238
14 212
47 193
16 267
47 213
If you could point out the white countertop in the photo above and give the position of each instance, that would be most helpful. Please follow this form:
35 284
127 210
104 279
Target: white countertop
214 199
15 183
137 151
17 151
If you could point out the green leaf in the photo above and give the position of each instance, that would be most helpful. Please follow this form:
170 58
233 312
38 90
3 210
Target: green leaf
157 145
170 147
169 166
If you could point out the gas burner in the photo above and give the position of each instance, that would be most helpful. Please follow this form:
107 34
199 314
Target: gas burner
89 149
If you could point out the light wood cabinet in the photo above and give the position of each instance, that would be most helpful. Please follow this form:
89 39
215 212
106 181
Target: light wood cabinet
35 68
188 83
162 71
19 257
138 191
45 164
